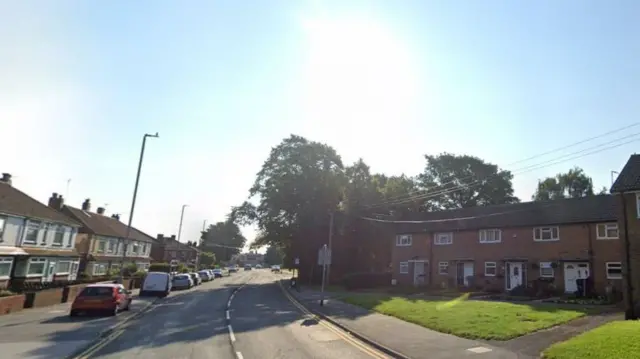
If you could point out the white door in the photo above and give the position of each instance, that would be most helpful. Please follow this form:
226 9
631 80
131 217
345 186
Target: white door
468 272
418 273
573 272
48 274
73 271
513 275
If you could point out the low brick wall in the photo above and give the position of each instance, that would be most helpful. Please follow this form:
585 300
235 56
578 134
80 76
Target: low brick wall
47 297
11 304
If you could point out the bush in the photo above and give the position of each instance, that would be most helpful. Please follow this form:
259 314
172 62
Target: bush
139 274
6 293
129 270
160 267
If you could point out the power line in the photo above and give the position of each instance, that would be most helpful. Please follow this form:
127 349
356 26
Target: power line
410 194
519 171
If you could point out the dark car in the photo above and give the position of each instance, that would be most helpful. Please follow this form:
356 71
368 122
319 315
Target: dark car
217 273
247 267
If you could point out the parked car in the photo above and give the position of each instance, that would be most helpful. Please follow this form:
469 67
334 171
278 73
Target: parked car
206 275
258 266
182 281
217 273
233 269
196 278
156 284
275 268
247 267
106 298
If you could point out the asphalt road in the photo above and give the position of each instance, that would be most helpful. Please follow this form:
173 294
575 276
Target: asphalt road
188 324
268 325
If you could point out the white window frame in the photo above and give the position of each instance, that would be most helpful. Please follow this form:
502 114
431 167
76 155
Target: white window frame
112 246
404 240
58 230
3 222
548 266
441 266
101 243
483 235
72 232
99 265
4 260
37 260
606 227
404 267
538 234
68 269
31 227
438 238
615 265
490 265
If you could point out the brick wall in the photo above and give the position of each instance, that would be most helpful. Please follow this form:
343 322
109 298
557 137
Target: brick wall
633 266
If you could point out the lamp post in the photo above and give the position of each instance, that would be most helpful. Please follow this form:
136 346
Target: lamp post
181 218
133 205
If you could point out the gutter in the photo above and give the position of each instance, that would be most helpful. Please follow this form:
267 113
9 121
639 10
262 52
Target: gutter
630 313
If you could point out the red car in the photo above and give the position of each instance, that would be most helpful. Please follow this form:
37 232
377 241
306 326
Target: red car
104 298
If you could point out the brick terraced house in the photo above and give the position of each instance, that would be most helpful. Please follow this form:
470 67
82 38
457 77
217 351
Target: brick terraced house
37 243
169 250
101 239
502 247
626 189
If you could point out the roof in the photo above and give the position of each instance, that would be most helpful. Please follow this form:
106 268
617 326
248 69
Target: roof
105 225
600 208
629 177
15 202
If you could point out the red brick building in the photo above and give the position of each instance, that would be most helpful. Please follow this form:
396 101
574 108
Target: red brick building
169 250
506 246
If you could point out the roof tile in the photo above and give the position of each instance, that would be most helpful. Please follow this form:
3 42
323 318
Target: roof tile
629 177
15 202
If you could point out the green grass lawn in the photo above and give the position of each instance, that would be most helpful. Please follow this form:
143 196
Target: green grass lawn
615 340
472 319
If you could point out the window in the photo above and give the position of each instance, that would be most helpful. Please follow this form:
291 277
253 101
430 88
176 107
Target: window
443 238
607 231
5 267
403 240
32 232
36 266
546 270
2 222
490 236
638 204
71 237
102 244
111 248
58 236
63 267
443 268
490 269
134 248
542 234
404 267
614 270
143 251
99 269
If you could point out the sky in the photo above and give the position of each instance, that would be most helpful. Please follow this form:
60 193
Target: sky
223 82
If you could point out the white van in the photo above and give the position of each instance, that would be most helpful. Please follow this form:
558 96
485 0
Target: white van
156 284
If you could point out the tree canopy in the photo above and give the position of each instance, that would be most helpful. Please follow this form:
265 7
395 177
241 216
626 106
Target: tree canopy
571 184
223 240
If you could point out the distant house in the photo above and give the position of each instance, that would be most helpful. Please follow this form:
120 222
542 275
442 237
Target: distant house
37 243
627 190
169 250
101 242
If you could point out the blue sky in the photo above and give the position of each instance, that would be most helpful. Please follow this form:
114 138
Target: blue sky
224 81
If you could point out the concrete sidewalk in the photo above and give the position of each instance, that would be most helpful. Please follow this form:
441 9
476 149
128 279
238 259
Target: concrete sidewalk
405 339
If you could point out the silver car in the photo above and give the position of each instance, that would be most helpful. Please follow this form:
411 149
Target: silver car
182 281
205 275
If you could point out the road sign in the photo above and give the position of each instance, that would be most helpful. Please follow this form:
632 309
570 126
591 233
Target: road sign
324 256
297 261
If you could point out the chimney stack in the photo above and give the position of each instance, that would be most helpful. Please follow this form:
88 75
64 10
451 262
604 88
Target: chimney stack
6 178
173 237
116 216
56 201
86 205
100 210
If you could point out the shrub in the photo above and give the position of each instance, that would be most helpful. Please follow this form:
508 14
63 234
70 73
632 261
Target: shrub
160 267
6 293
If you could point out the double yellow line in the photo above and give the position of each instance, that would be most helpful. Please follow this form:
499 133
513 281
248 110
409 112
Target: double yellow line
101 344
339 332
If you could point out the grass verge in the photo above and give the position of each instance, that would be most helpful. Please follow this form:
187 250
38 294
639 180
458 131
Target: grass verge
472 319
615 340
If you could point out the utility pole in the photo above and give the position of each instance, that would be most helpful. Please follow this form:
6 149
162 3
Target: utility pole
67 193
133 205
330 240
181 218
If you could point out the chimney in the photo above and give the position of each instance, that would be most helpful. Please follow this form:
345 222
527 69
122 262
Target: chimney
56 202
100 210
6 178
173 237
115 216
86 205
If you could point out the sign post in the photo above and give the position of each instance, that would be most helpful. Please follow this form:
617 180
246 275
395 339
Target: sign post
324 259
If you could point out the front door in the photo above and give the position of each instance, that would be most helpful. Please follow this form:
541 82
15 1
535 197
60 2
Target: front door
460 274
513 275
48 274
73 271
418 273
468 273
573 272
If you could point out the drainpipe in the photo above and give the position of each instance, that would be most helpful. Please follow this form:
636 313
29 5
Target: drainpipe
630 313
591 278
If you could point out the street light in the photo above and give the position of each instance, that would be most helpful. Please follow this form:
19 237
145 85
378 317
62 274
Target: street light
181 218
133 204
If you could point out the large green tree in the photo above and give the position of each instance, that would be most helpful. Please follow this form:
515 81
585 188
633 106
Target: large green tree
571 184
273 255
223 239
460 181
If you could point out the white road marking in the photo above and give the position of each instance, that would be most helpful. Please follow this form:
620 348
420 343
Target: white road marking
239 355
479 350
229 303
233 337
228 316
